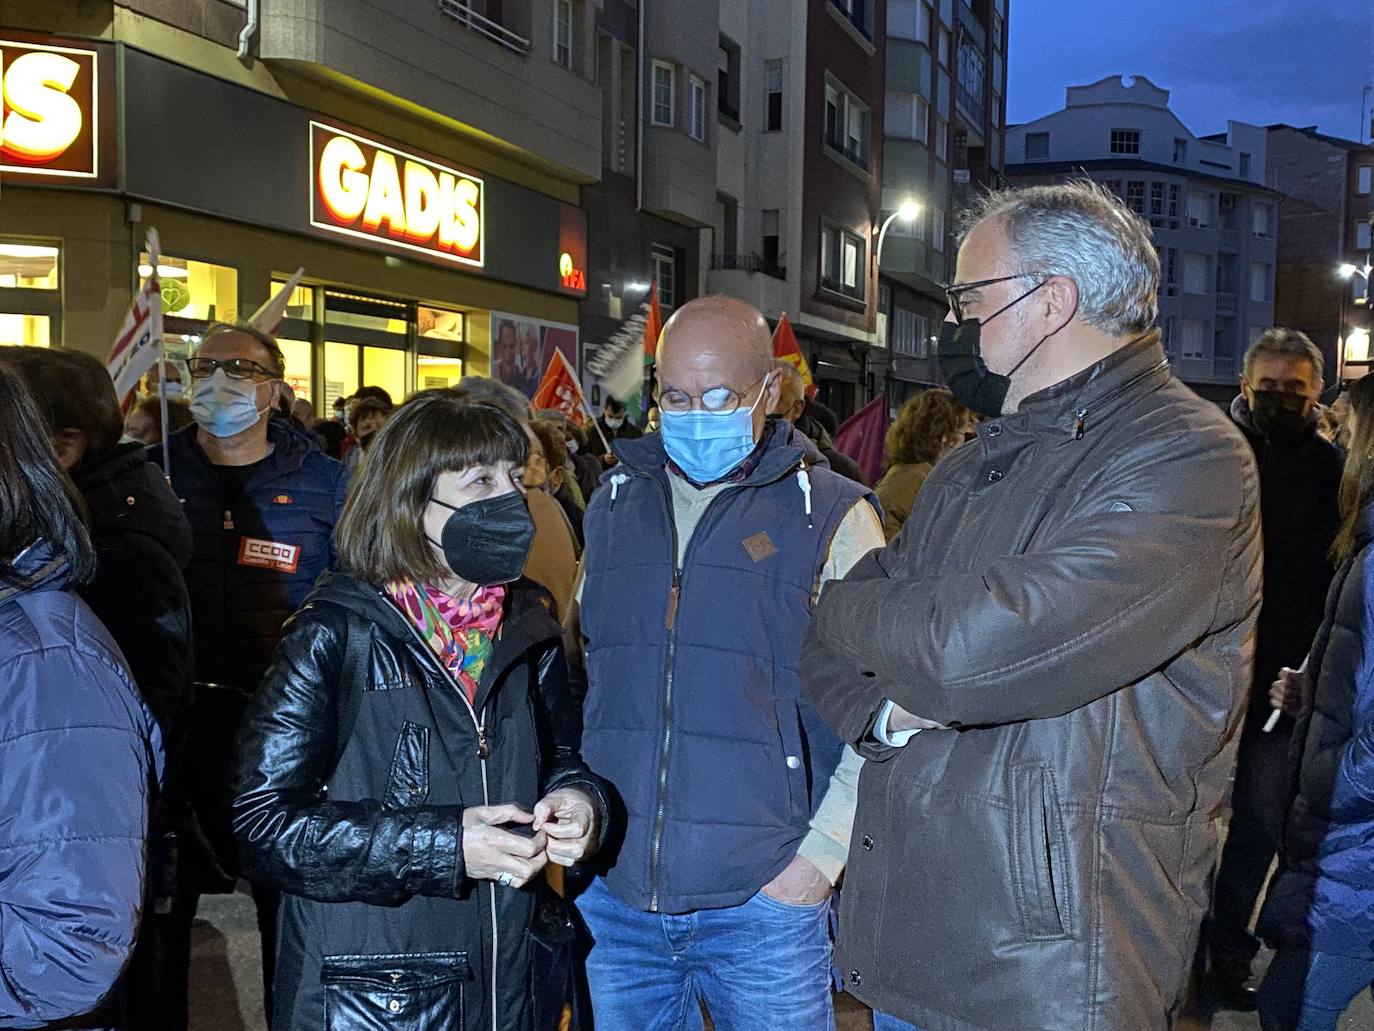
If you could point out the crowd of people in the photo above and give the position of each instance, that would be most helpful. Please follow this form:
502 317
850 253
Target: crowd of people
513 722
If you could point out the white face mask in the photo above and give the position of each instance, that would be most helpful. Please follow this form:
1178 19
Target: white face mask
615 421
571 445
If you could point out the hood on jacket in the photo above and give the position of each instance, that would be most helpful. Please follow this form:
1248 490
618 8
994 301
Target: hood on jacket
125 493
37 568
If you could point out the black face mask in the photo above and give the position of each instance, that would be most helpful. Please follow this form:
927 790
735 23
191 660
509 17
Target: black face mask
1279 416
487 542
968 377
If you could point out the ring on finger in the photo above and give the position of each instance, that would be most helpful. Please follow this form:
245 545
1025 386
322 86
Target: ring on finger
505 880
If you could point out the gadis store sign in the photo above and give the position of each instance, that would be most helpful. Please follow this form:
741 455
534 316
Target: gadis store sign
49 117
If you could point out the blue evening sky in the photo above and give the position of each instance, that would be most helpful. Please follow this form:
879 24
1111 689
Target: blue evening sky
1304 62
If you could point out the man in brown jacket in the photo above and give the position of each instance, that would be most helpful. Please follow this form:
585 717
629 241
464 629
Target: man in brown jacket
1066 622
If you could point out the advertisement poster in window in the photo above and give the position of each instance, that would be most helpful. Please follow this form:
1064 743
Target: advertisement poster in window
521 349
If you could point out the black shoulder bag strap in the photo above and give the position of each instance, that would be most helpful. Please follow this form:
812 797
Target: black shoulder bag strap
349 690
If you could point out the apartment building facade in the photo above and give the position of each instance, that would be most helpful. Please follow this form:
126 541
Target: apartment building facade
944 125
1325 224
1208 200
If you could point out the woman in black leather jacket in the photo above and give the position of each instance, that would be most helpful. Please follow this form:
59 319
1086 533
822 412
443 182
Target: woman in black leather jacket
410 763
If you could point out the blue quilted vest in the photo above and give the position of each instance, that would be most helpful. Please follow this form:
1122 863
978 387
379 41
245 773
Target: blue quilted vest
695 711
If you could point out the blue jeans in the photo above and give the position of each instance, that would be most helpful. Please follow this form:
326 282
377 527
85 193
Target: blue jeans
760 966
1308 991
882 1022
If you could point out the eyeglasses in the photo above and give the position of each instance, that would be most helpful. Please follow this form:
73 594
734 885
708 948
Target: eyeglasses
955 292
234 368
720 400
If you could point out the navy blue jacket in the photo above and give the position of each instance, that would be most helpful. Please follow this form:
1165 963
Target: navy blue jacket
78 754
257 552
694 709
1323 897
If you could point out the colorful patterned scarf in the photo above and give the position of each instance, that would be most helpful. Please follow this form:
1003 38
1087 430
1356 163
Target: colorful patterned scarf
459 630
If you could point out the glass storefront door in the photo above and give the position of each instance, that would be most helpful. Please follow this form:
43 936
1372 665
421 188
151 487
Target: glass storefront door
30 295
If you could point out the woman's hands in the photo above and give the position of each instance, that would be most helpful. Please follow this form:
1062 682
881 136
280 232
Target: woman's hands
491 853
568 817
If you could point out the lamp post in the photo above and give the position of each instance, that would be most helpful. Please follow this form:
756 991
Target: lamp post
909 210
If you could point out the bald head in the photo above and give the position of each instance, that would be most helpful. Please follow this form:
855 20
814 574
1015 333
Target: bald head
792 390
720 342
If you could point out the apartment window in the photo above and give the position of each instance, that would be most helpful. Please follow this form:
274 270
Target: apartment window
843 262
1125 141
770 224
665 274
1260 217
1259 281
1135 196
1037 145
1363 174
1195 278
1170 328
908 117
1199 210
1362 234
944 48
1168 260
859 14
665 76
727 79
772 75
1180 150
728 219
1244 165
562 32
1156 200
906 333
696 94
941 139
846 124
937 229
909 19
1194 339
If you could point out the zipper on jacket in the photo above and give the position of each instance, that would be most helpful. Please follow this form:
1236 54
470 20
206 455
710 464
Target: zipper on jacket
483 753
674 594
1080 415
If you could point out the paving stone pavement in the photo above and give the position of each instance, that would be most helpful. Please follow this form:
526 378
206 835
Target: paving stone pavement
226 981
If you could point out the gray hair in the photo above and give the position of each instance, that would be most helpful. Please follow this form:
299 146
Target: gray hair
1081 231
1286 343
264 340
482 390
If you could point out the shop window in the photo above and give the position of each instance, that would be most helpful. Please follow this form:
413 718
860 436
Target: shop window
340 372
297 354
18 329
195 290
25 266
301 303
385 367
437 371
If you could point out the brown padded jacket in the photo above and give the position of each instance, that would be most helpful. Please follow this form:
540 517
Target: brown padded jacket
1074 596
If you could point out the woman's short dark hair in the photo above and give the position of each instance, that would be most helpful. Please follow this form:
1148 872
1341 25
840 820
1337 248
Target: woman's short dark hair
72 391
381 536
37 500
178 414
551 443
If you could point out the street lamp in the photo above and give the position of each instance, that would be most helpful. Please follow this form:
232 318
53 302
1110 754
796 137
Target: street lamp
908 211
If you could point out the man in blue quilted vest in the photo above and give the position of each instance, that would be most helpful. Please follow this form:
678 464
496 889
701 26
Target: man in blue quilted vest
706 552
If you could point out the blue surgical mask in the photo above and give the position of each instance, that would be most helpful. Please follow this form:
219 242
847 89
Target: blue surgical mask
223 407
708 446
169 390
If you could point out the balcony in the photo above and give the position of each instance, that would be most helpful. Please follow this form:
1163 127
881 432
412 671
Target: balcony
728 110
973 108
1223 367
747 263
1228 241
461 11
1226 303
836 286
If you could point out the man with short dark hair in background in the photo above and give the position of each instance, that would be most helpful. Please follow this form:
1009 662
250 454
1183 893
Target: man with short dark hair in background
1300 477
615 423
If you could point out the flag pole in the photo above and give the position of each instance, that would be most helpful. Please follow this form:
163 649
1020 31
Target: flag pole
154 245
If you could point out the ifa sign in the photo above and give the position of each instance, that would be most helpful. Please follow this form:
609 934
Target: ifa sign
49 119
373 192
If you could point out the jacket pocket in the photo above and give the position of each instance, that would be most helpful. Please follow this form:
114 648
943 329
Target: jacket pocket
409 781
795 769
1040 856
416 992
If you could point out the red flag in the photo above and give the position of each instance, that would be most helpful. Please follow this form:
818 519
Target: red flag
786 347
653 327
863 437
559 391
139 342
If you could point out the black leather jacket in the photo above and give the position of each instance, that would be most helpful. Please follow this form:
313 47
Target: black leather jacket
380 927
